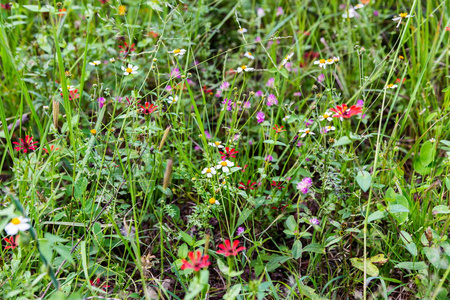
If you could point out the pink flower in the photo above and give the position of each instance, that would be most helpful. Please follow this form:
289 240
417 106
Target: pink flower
101 102
175 72
227 249
224 86
272 100
259 93
305 185
271 82
297 94
321 78
257 39
280 11
25 145
260 117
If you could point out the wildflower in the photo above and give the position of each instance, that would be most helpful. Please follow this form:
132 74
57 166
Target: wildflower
447 28
12 242
391 86
229 153
321 78
259 93
209 172
175 72
360 103
112 59
309 122
398 80
260 117
247 104
93 131
6 6
248 186
328 129
278 129
260 12
216 144
224 86
321 62
244 68
285 118
401 57
16 225
178 52
97 283
101 102
129 70
304 185
51 149
271 82
268 158
228 104
257 39
172 100
207 134
314 221
227 249
400 18
305 132
213 201
343 112
95 63
336 59
25 145
249 55
326 116
297 94
127 49
280 11
286 59
432 140
224 165
242 30
272 100
122 10
148 108
196 261
240 230
376 13
279 185
69 88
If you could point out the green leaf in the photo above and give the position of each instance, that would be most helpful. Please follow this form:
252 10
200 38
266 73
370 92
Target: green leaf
376 216
233 292
64 251
411 265
186 237
371 269
154 5
80 187
441 209
397 208
342 141
197 285
297 249
243 216
364 179
427 152
314 247
434 255
291 223
58 295
183 250
52 239
271 142
275 262
226 270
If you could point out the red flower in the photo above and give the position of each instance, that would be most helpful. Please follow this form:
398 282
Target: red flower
103 1
6 6
72 95
13 242
398 80
249 185
228 153
51 149
196 261
26 144
153 34
278 129
243 169
342 111
97 283
148 109
62 11
126 49
227 249
447 28
278 185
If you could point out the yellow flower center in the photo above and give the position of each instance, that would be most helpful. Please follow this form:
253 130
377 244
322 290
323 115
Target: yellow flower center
176 51
224 163
401 57
93 131
208 170
390 85
248 53
307 131
122 10
15 221
217 143
325 116
403 15
322 61
244 67
329 60
212 200
128 70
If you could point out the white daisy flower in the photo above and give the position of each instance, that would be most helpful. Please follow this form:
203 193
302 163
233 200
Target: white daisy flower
217 144
305 132
401 17
69 88
391 86
330 61
328 129
358 6
224 165
129 70
249 55
286 118
172 100
16 225
209 172
326 116
95 63
178 52
242 30
112 59
244 68
336 59
214 201
286 59
351 13
321 62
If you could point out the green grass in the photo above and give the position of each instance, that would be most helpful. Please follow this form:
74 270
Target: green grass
121 200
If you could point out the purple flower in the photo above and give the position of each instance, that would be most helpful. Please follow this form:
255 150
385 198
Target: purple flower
309 122
190 82
259 93
271 82
257 39
280 11
218 94
228 103
250 142
299 144
240 230
272 100
314 221
247 104
101 102
175 72
321 78
360 103
297 94
269 158
260 117
168 88
207 134
224 86
376 13
260 12
304 185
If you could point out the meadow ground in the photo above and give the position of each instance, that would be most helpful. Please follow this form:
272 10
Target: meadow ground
224 149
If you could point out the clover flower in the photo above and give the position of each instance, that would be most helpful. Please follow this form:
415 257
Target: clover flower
272 100
260 117
314 221
304 185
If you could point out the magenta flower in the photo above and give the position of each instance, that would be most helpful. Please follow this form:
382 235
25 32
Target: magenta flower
224 86
280 11
175 72
240 230
271 82
101 102
257 39
259 93
321 78
207 134
297 94
314 221
228 103
25 145
304 185
272 100
260 117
